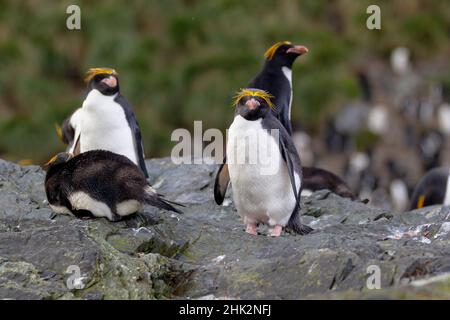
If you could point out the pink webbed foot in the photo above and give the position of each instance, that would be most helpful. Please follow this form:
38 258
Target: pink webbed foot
276 231
251 229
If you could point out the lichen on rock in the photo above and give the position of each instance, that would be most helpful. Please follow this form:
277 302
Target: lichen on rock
206 253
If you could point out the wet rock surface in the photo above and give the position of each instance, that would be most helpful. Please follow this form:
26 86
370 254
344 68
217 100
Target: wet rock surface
205 252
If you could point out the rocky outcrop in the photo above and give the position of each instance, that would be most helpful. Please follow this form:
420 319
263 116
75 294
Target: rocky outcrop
205 253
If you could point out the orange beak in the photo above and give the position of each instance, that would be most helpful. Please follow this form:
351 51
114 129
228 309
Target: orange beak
252 104
111 81
298 50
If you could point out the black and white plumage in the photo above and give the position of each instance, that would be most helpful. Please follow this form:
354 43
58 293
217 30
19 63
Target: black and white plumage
105 121
432 189
267 183
69 132
276 78
99 183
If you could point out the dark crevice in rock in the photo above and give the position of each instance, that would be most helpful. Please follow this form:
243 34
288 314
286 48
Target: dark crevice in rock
206 251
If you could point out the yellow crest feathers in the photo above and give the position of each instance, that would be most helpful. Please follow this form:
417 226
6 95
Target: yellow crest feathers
59 131
53 159
254 93
92 72
271 51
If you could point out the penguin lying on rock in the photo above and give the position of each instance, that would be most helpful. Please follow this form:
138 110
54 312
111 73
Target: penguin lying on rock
106 120
315 179
99 183
267 182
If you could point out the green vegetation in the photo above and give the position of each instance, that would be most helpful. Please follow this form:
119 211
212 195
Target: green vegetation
181 61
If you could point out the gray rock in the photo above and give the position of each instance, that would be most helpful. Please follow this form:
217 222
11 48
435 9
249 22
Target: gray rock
205 253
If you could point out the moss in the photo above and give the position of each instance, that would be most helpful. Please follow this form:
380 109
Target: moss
167 52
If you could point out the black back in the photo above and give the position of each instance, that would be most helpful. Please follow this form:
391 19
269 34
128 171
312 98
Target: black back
432 187
315 179
105 176
272 80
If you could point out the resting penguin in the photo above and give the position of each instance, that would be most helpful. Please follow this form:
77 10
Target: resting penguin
433 188
267 181
315 179
105 121
98 183
276 78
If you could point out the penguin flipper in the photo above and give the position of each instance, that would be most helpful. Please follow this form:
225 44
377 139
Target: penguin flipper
170 201
134 126
285 120
68 130
292 159
75 147
221 182
293 165
153 199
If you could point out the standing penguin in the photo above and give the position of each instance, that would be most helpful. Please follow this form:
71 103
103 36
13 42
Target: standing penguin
433 188
106 120
267 183
276 78
98 183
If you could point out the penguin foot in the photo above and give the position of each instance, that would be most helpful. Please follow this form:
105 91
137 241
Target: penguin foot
251 229
115 217
276 231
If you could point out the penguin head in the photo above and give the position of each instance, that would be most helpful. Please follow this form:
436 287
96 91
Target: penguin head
253 104
104 80
60 158
284 53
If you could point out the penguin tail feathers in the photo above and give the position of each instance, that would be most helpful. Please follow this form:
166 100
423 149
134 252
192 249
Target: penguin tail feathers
171 202
300 228
156 200
296 226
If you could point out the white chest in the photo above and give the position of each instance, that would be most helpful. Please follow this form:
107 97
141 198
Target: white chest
251 145
288 74
102 112
104 126
258 173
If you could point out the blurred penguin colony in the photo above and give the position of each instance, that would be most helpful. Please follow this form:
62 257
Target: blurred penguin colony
383 143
